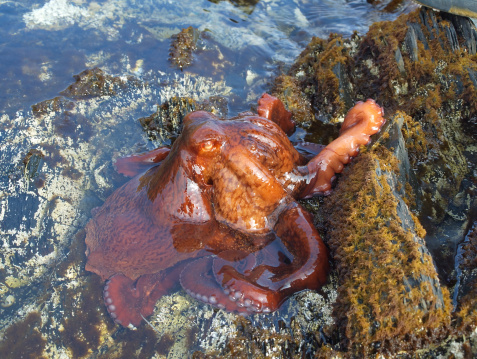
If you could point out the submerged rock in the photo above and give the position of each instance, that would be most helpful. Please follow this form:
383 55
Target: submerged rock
95 83
183 46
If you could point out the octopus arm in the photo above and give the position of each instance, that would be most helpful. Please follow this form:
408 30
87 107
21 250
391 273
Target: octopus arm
260 282
362 121
308 265
133 165
273 109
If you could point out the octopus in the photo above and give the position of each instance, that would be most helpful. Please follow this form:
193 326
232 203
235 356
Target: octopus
217 213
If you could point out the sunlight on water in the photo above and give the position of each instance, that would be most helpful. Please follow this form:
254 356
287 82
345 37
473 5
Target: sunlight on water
43 44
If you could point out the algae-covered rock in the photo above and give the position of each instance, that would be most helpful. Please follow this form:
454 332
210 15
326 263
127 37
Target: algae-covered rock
94 83
166 123
389 295
193 327
424 64
466 293
323 70
394 276
287 89
183 46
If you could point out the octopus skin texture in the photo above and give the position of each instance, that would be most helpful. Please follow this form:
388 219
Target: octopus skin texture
218 213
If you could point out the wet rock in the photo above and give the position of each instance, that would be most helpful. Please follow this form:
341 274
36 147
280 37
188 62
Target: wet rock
466 288
183 46
193 327
320 71
421 68
421 64
287 89
94 83
165 125
463 7
54 105
245 5
389 292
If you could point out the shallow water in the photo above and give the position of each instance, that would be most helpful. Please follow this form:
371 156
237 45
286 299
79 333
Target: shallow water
42 44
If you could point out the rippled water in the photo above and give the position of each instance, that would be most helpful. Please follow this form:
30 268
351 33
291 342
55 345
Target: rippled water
42 44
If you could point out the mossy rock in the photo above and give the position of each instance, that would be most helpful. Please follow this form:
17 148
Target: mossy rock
95 83
424 64
165 125
183 46
389 295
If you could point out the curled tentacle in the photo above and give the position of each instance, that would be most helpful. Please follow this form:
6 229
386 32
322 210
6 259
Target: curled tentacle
362 121
272 108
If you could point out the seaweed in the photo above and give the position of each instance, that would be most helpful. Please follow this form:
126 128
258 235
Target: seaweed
23 339
389 297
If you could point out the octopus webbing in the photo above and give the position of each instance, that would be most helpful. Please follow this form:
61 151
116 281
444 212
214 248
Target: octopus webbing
218 214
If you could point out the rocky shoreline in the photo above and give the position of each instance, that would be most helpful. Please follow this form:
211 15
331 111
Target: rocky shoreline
393 223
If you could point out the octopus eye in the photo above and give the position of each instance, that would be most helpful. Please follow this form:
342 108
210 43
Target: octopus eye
207 145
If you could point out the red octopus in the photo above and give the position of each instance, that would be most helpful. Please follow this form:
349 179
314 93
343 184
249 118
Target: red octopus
218 214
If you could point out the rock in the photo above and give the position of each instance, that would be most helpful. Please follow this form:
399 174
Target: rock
421 64
389 295
466 288
166 123
94 83
458 7
183 46
422 69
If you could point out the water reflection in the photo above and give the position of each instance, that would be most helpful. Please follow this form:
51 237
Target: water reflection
43 44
